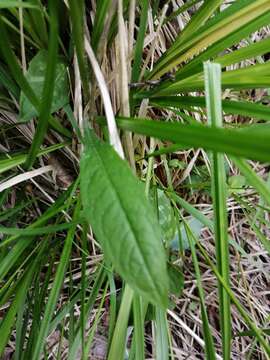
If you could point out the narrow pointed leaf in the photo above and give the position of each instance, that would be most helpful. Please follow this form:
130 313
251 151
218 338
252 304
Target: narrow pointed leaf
253 144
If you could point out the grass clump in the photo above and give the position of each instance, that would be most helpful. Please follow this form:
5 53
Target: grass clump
134 190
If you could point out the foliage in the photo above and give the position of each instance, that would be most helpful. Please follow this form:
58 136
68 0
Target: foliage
80 86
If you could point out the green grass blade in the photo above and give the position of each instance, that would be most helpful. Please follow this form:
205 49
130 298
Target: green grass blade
11 60
256 76
38 23
253 179
47 94
257 332
8 322
136 68
244 108
213 101
98 317
252 145
56 287
247 52
196 64
162 343
200 17
138 328
4 4
77 20
209 343
220 27
118 344
181 9
99 280
100 17
35 231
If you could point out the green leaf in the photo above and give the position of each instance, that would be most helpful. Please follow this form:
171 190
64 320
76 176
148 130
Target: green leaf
36 77
140 42
76 9
118 344
55 290
236 183
4 4
196 227
220 27
123 220
212 73
251 332
209 344
176 280
11 162
166 216
162 343
244 108
47 96
253 144
8 321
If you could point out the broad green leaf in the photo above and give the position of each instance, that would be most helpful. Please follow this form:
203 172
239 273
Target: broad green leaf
166 216
176 280
236 183
36 77
123 220
195 226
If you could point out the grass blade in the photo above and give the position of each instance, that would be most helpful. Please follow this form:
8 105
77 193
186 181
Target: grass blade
118 344
213 101
56 287
136 68
138 328
253 179
162 344
209 343
77 20
249 144
47 94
